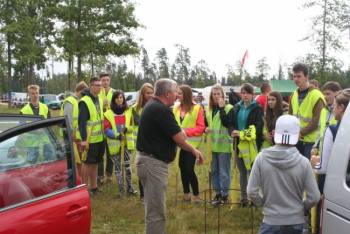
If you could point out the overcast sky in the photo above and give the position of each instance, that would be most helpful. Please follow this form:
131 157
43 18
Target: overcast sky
220 32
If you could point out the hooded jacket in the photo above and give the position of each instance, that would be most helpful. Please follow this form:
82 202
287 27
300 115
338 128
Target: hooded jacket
283 174
254 118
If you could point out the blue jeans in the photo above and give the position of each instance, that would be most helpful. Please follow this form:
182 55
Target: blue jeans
33 154
281 229
305 148
221 172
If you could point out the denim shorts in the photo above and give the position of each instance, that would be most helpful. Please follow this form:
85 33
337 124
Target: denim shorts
281 229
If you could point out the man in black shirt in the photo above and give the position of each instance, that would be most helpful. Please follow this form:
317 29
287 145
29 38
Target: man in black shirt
233 97
157 138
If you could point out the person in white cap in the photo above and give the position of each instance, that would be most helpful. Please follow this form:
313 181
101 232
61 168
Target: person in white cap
284 175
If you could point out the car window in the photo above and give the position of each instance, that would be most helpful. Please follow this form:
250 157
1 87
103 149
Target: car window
128 98
11 121
33 164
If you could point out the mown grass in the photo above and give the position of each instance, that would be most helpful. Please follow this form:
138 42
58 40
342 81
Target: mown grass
126 214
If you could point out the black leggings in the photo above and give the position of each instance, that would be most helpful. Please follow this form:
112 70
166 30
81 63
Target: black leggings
186 163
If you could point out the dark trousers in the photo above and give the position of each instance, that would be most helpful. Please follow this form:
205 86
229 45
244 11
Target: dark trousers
109 166
187 162
304 148
142 194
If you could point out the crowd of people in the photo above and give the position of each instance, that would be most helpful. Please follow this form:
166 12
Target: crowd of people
272 147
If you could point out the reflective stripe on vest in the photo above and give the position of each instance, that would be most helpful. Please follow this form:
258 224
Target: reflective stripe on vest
189 121
136 128
323 119
33 140
113 144
95 118
72 100
304 111
221 141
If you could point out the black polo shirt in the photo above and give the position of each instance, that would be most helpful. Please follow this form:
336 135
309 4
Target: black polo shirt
156 128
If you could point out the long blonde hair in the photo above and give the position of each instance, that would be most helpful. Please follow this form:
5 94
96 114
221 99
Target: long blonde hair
141 101
211 99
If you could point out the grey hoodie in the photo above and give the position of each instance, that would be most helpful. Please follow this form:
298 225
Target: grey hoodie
283 174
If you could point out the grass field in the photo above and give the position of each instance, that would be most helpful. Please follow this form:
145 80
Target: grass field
113 214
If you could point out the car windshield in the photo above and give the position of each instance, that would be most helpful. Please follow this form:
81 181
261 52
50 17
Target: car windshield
50 98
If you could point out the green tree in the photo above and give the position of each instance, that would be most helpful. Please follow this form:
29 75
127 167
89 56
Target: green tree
162 58
262 69
326 29
102 27
144 63
183 63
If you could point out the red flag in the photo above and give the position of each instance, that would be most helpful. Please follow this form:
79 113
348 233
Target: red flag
244 57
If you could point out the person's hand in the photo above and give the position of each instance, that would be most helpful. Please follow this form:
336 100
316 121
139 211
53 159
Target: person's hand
199 157
268 137
74 138
235 133
207 130
83 145
221 102
314 151
105 102
314 160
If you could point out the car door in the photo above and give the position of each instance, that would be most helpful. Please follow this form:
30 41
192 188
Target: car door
336 205
39 189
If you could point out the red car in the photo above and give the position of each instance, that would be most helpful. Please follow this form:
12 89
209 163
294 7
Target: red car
40 191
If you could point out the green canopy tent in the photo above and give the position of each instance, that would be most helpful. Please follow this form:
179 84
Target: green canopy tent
285 87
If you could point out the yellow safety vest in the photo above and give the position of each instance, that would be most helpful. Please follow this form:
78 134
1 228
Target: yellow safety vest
189 121
265 144
95 118
136 128
304 111
323 117
114 144
248 149
108 96
72 100
33 140
221 141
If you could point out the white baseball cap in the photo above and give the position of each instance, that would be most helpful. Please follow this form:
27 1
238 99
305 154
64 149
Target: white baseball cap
287 130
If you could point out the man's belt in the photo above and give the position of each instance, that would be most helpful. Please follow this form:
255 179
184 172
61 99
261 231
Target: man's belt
152 156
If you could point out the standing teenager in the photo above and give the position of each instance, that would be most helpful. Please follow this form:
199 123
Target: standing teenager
246 124
216 117
118 127
146 94
274 109
190 118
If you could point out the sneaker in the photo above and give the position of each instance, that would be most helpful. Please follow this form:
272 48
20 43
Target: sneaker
184 200
142 200
100 182
223 201
307 229
95 192
252 205
244 203
216 199
132 191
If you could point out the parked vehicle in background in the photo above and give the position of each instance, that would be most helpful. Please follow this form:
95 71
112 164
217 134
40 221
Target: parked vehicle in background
61 97
45 196
335 217
131 97
51 100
